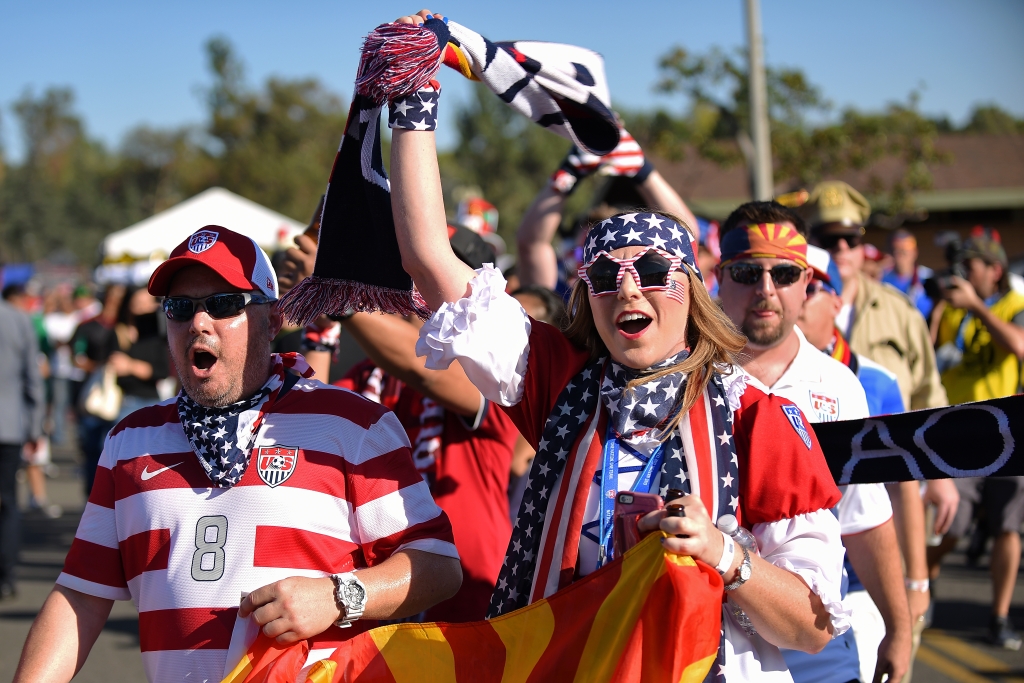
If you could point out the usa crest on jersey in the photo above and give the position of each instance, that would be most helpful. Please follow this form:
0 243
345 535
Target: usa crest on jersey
276 463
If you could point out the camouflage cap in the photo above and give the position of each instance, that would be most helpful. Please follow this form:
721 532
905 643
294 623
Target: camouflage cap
835 202
984 247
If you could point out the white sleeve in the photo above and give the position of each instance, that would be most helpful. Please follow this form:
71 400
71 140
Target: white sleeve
863 507
488 332
810 546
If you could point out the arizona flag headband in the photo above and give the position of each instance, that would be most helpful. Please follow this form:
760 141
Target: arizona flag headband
764 240
640 230
358 266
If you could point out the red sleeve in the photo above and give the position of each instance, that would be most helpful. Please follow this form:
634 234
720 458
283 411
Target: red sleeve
552 363
781 476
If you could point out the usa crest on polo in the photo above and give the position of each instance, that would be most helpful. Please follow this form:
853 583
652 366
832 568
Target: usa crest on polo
276 463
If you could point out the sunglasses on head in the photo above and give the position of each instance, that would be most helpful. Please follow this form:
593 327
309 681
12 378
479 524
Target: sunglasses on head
783 274
219 306
829 242
650 270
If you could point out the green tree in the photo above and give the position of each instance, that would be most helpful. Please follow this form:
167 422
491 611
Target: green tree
60 197
809 143
991 119
274 146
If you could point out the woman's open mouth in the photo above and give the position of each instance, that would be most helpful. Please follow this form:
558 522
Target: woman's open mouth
632 325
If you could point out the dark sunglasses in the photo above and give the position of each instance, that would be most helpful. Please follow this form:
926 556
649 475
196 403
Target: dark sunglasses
783 275
829 242
218 306
650 270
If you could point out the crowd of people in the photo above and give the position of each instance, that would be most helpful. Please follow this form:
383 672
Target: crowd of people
377 467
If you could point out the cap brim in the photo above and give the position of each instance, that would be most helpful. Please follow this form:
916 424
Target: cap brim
160 281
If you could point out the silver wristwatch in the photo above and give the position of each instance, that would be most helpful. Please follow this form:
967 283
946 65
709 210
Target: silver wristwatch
350 597
744 572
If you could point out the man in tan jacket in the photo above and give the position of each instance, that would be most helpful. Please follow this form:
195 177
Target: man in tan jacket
879 321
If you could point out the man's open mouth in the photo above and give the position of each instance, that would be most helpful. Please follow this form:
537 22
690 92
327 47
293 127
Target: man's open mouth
202 361
632 323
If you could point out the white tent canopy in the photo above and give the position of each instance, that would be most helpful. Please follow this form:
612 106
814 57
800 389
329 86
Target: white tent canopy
130 255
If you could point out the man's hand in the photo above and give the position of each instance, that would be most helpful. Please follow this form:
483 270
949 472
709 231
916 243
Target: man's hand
701 539
961 294
943 495
292 609
893 656
298 262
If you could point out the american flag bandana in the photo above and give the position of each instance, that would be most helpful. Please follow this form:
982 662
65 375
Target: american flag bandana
704 435
641 230
222 437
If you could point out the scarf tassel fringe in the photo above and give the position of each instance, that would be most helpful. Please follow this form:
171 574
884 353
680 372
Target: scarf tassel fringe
316 296
397 59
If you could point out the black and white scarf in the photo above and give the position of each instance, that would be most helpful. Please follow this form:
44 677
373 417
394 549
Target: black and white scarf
358 265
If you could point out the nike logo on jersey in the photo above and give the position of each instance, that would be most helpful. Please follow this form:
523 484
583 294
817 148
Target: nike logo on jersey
147 475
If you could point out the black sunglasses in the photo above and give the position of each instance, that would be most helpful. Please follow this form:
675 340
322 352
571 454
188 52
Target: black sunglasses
829 242
218 306
652 270
783 275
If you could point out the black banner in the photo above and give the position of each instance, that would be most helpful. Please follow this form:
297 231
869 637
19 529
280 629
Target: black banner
967 440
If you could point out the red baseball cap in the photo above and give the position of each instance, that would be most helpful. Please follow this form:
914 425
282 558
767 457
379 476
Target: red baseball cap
236 258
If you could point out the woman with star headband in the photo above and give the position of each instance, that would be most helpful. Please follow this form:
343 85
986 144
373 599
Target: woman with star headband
637 393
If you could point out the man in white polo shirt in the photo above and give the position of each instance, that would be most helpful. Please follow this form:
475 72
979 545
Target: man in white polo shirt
763 280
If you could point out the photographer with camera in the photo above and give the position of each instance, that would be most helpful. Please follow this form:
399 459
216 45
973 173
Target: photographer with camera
980 349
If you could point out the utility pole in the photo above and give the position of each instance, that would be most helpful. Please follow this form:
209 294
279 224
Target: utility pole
763 185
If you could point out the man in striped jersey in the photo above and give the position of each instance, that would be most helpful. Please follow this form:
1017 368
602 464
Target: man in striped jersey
256 499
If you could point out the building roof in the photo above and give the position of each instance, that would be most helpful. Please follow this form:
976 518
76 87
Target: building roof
986 172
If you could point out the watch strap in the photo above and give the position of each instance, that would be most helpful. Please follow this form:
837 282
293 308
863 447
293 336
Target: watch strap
745 565
350 611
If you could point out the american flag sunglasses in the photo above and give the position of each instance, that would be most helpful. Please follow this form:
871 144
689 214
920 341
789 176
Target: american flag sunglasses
650 270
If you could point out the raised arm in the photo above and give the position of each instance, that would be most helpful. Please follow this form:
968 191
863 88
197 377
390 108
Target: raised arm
538 263
391 342
420 223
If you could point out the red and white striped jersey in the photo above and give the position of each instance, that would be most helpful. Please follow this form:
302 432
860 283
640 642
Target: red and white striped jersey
330 487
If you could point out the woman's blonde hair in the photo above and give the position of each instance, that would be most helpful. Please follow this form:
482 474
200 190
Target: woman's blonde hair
712 338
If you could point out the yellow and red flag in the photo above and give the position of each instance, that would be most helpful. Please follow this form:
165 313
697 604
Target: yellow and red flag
650 616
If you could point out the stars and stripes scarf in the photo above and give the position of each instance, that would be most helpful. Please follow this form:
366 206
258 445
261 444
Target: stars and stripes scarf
704 436
222 437
358 266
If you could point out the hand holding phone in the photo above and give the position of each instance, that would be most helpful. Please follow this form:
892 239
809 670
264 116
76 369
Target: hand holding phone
629 508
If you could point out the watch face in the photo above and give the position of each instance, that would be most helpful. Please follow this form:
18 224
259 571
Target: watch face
745 571
353 593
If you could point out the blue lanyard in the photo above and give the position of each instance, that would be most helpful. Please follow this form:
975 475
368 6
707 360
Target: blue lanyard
610 485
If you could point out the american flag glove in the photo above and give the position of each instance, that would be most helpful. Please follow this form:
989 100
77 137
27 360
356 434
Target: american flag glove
415 111
317 338
627 159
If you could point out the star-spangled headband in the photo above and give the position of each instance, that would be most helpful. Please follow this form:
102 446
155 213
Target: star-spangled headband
641 230
764 240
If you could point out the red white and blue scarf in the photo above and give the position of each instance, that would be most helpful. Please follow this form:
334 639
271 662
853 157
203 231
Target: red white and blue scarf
222 437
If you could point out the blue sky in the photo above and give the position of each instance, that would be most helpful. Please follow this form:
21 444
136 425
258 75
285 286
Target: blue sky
143 63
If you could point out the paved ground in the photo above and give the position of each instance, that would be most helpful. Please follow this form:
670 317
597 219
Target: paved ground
953 651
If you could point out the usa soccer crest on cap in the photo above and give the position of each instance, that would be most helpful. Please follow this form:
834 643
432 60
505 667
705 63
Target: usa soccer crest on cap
276 463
